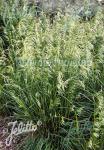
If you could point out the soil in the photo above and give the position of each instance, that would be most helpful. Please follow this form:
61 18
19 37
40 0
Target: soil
4 133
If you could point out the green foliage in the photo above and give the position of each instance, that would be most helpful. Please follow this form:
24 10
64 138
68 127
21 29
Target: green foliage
54 73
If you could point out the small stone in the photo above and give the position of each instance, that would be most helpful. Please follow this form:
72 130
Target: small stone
1 144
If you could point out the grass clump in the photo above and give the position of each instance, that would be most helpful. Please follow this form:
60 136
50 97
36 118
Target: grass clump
54 73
